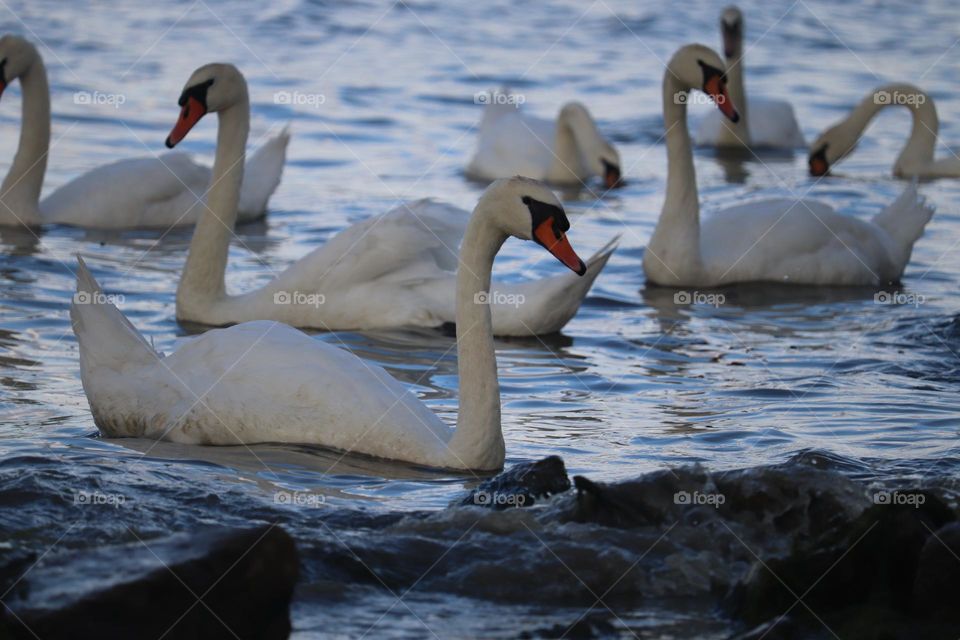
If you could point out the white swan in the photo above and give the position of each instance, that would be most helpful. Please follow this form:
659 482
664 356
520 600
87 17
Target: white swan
781 240
567 151
393 270
139 192
764 123
268 382
915 161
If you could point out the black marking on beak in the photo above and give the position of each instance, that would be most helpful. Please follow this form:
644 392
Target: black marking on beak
710 71
540 211
198 92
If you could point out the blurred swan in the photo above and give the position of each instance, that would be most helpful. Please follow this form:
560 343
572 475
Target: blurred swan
764 123
915 160
139 192
393 270
779 240
268 382
567 151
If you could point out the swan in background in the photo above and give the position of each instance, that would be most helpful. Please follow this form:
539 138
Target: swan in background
393 270
779 240
138 192
764 124
268 382
567 151
915 161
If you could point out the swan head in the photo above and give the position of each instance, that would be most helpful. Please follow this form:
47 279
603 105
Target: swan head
696 66
16 57
731 28
830 147
527 209
212 87
597 154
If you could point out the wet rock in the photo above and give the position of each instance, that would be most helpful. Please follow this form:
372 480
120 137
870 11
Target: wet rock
856 577
522 485
213 584
936 589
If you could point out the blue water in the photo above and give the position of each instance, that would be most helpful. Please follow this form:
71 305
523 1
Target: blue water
635 383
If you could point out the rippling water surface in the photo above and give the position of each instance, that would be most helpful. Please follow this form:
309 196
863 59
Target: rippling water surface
635 383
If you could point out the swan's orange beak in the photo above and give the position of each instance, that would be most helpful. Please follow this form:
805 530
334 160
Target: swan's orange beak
190 114
3 85
818 167
716 89
818 162
556 242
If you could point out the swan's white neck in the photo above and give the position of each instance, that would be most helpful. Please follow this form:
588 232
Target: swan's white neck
735 134
20 193
477 442
918 152
675 245
567 163
202 282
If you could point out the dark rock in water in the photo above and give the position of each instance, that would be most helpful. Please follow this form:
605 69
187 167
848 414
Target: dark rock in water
936 589
214 584
634 503
856 577
522 485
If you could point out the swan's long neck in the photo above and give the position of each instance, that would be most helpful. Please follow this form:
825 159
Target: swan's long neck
675 245
919 149
736 134
202 281
566 165
477 442
20 193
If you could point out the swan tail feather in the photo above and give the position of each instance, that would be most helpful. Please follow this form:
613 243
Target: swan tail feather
549 304
904 220
105 336
261 175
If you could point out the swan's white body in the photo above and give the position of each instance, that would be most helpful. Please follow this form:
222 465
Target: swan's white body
764 123
568 150
393 270
771 124
779 240
267 382
159 191
916 160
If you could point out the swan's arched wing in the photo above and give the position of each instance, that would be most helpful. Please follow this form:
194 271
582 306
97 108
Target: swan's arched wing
416 241
511 143
130 193
267 382
792 240
773 124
